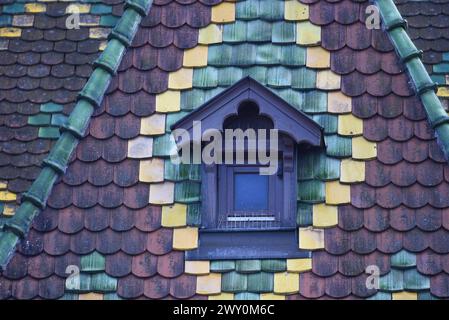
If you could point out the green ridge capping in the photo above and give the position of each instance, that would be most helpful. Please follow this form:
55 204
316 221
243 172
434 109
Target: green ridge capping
91 96
424 87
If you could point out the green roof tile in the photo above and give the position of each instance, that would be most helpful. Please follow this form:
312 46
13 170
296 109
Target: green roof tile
163 145
303 78
93 262
220 55
328 121
233 282
51 107
111 296
260 282
14 8
426 296
58 119
222 265
235 32
279 77
248 265
243 54
283 32
271 10
403 259
101 282
205 77
247 296
380 296
228 76
268 54
304 214
257 73
413 280
39 119
338 146
274 265
258 31
392 281
187 192
69 296
311 191
108 21
173 117
181 172
293 55
5 20
247 10
194 214
441 68
100 9
49 132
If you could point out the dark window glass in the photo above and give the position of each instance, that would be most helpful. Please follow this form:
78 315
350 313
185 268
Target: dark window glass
250 192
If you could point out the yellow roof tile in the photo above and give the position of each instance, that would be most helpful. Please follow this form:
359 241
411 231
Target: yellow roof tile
337 102
311 239
296 11
162 193
363 149
224 12
349 125
405 295
317 57
222 296
151 170
3 185
9 210
140 147
299 265
337 193
443 92
91 296
180 79
324 215
174 215
271 296
169 101
196 57
7 196
102 45
328 80
34 7
307 34
286 282
10 32
352 171
153 125
197 267
185 238
78 8
210 284
210 34
99 33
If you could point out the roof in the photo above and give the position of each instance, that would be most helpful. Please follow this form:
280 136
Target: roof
125 217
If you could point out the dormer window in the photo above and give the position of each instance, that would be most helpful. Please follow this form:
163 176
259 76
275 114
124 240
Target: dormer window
249 194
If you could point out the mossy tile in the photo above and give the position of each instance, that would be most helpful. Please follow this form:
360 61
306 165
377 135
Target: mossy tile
247 296
283 32
101 282
260 282
258 31
233 282
222 265
311 191
274 265
326 168
337 146
39 119
403 259
205 77
49 132
306 163
235 32
248 265
93 262
187 192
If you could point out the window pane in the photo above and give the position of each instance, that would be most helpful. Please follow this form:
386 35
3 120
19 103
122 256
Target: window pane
250 192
